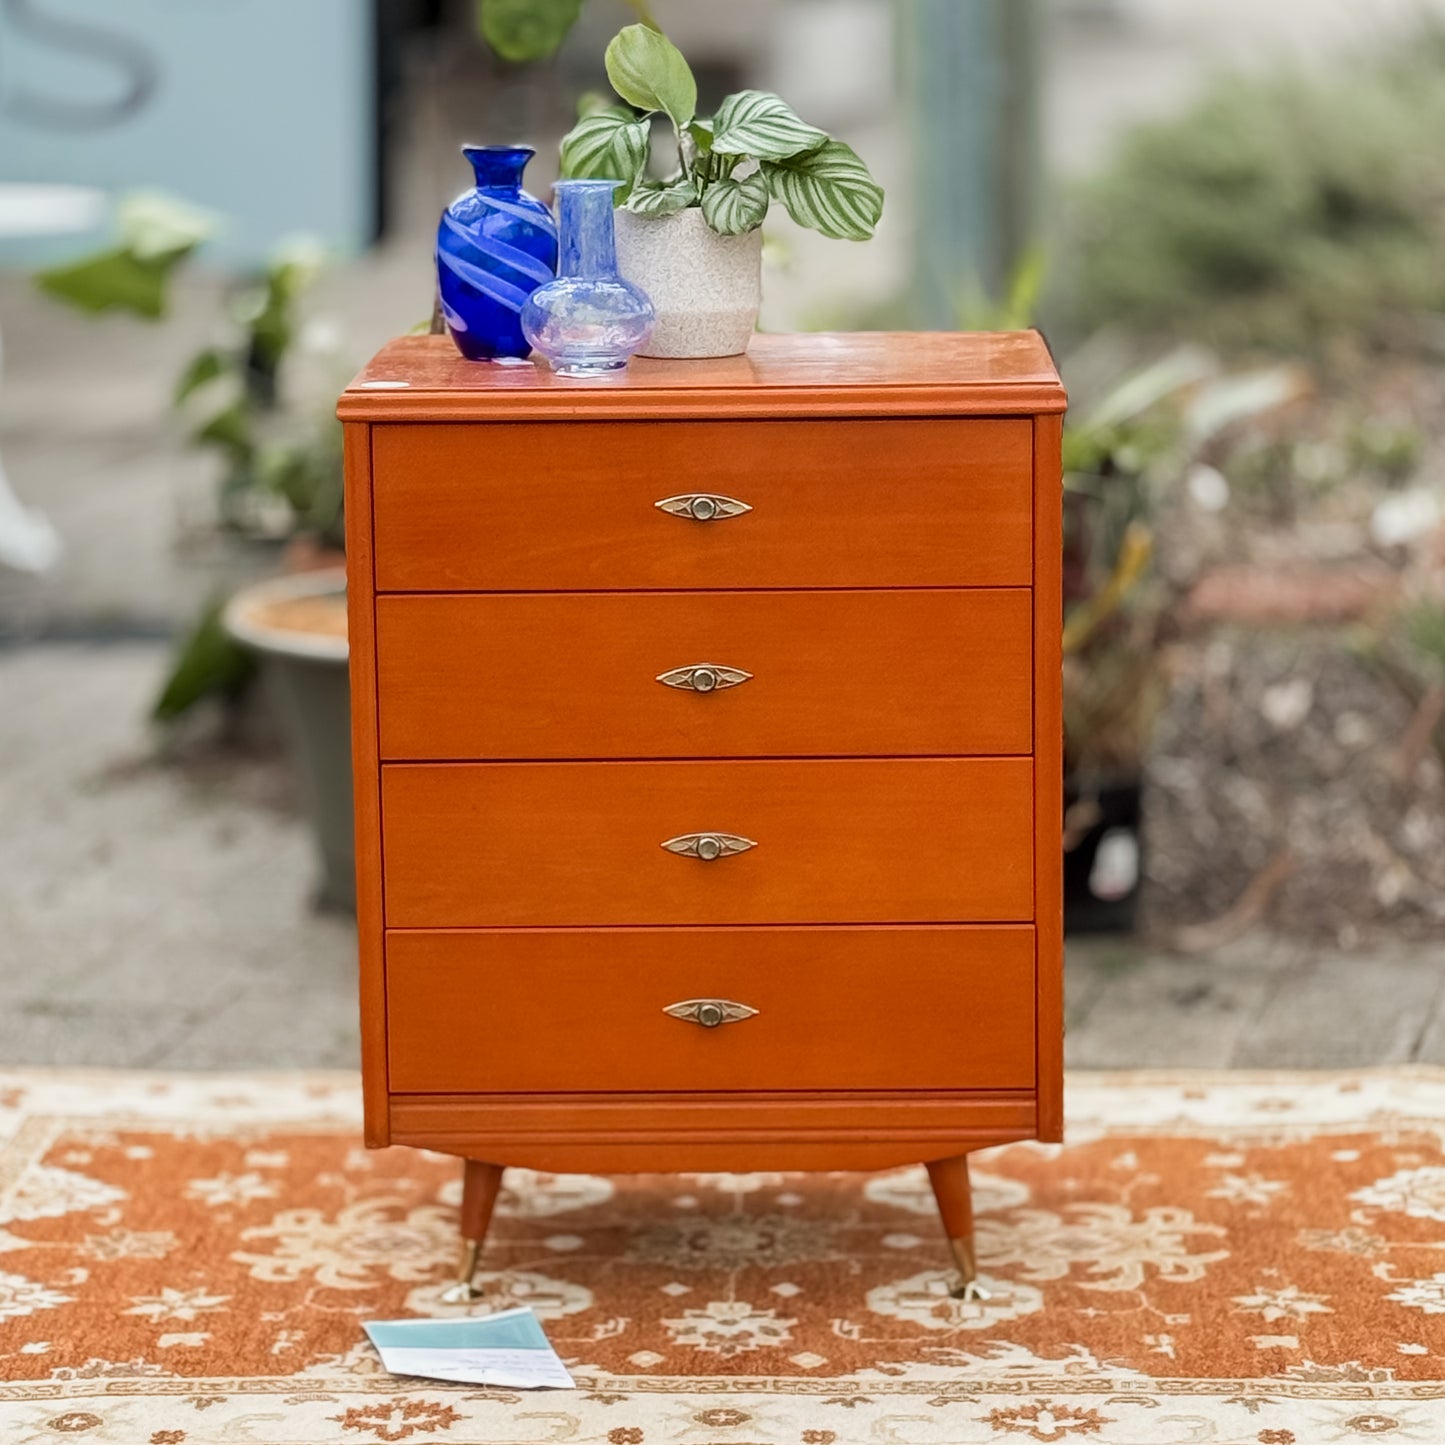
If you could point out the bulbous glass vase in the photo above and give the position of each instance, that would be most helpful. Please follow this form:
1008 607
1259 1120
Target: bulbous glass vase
589 320
495 246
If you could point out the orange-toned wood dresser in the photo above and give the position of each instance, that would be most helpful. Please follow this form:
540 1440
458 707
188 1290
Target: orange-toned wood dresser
707 739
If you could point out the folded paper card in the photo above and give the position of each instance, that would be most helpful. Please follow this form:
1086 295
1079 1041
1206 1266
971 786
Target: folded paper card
508 1348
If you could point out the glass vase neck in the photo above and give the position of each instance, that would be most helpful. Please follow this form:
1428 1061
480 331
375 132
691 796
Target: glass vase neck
498 168
584 221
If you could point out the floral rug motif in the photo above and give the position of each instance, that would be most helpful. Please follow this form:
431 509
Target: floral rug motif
1241 1259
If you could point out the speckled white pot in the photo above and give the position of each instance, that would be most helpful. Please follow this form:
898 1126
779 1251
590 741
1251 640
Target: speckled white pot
705 288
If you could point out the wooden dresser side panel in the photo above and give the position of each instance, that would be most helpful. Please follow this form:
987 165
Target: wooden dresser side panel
370 919
1049 771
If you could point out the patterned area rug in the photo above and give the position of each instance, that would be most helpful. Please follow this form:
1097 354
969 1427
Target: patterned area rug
1240 1259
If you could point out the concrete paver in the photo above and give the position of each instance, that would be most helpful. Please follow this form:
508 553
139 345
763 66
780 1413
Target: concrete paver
144 916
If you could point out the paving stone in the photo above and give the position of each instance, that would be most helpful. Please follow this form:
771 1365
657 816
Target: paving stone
1172 1012
1430 1048
261 1030
1344 1011
48 1033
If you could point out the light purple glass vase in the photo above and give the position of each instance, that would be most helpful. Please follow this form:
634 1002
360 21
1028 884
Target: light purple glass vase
589 320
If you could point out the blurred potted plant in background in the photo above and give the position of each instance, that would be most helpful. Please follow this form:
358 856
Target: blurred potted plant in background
691 239
1139 452
280 484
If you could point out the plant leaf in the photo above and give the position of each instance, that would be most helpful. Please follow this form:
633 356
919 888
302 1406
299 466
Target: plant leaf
230 430
733 207
663 200
647 70
205 366
116 280
702 133
758 123
526 29
606 145
829 190
208 663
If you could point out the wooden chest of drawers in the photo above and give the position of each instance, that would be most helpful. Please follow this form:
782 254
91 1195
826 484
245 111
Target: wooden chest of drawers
707 742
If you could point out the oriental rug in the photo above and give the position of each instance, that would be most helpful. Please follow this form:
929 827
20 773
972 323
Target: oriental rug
1242 1259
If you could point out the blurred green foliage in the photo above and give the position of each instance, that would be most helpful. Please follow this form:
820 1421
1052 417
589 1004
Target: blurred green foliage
281 463
208 662
155 234
272 453
1126 456
522 30
1279 211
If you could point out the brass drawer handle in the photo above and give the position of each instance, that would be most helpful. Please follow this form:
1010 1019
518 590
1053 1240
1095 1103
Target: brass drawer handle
708 846
703 677
709 1013
702 506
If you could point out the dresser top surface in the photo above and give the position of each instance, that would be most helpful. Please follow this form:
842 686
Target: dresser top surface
866 373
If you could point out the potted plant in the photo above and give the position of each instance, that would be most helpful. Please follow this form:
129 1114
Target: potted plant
280 484
282 479
692 239
1126 462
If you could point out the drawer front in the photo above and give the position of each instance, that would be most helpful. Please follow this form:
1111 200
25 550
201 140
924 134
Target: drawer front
784 674
875 841
546 507
837 1008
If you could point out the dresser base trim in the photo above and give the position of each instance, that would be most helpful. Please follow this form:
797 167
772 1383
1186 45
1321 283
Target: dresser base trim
619 1134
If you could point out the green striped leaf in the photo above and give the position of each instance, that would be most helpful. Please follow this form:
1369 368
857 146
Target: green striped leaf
829 190
606 145
758 123
732 207
647 70
654 200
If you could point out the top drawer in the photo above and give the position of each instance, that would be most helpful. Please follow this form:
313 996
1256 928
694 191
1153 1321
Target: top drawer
571 506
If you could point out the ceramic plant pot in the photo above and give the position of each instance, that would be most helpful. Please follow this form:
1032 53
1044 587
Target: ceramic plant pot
495 246
706 289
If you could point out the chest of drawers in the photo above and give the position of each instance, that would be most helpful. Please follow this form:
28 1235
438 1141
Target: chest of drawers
707 747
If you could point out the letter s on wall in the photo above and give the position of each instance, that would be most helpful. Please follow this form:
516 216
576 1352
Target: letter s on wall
140 70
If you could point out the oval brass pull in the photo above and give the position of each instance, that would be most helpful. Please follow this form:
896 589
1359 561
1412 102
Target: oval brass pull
709 1013
708 846
702 506
704 677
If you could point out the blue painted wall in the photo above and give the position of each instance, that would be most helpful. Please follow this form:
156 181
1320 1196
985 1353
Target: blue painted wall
261 110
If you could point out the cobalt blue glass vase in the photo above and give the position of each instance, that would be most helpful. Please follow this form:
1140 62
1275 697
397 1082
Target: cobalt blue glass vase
495 246
589 320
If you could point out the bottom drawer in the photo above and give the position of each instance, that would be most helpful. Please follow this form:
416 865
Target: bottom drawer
564 1010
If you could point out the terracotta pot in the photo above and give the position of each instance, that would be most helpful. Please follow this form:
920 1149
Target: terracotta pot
705 288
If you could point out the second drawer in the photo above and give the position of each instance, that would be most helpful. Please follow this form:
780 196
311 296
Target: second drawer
881 840
751 674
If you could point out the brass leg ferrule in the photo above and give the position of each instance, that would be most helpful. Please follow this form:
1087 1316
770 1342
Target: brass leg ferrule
464 1290
963 1256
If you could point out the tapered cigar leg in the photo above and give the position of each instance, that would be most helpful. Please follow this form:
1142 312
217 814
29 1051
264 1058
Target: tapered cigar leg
951 1189
481 1184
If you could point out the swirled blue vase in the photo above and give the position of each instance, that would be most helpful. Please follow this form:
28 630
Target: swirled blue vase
495 246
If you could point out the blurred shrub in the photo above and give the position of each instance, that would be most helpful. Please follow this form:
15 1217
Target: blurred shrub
1281 210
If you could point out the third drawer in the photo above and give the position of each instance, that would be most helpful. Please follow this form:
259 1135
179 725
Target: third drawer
749 674
878 840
